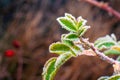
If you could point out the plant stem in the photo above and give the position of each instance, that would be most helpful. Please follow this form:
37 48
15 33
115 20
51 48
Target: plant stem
105 7
98 53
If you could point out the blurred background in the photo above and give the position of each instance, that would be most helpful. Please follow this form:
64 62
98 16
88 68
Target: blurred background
28 27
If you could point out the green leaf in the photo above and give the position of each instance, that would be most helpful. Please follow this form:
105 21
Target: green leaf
68 42
70 17
74 48
112 51
77 50
67 39
67 24
105 44
71 37
49 69
108 44
103 78
115 77
102 39
81 22
62 59
63 36
59 48
82 30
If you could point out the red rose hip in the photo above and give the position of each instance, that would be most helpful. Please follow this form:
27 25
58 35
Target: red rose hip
9 53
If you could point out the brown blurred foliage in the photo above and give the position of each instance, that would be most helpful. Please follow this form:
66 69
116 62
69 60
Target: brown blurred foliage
33 23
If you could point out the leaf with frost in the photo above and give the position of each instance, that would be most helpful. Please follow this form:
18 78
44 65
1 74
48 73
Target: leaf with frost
70 17
81 22
59 48
112 51
104 38
71 37
67 24
104 42
62 59
114 77
82 30
49 69
68 42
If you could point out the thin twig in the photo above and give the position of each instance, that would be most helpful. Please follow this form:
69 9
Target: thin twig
98 53
105 7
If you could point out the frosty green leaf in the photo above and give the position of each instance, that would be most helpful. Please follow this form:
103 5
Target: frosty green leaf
71 37
105 38
59 48
70 17
71 45
75 50
67 24
81 22
82 30
68 42
115 77
104 42
112 51
108 44
49 69
62 59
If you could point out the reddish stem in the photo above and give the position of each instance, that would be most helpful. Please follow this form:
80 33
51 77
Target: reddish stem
105 7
